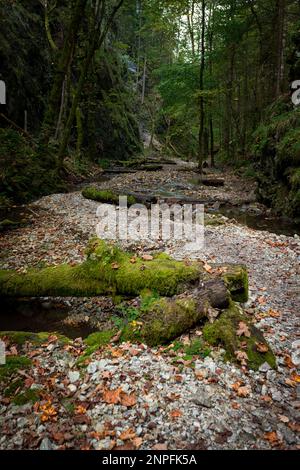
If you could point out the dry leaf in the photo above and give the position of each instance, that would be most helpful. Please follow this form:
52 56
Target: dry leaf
241 357
207 268
272 313
272 437
295 377
283 419
127 435
115 266
261 347
243 330
127 400
244 392
112 397
175 414
133 260
137 442
147 257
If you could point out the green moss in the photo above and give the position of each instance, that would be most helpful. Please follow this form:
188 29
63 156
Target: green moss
105 196
26 397
12 364
11 389
236 280
20 337
164 321
95 341
223 332
99 338
107 270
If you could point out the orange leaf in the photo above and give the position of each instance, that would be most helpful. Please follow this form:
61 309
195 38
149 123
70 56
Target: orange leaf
207 268
137 442
244 392
175 414
112 397
127 400
272 437
133 260
127 435
295 377
80 410
272 313
261 347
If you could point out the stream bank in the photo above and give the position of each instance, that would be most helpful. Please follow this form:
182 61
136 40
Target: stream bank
208 396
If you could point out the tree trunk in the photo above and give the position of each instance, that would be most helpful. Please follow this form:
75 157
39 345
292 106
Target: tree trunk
201 88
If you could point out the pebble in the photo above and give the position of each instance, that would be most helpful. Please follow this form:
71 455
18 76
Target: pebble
73 376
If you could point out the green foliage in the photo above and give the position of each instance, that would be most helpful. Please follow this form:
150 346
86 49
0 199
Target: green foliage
26 170
12 364
277 155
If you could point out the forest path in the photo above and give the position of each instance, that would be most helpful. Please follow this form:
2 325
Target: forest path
172 407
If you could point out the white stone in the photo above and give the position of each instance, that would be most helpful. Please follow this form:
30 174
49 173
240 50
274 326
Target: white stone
73 376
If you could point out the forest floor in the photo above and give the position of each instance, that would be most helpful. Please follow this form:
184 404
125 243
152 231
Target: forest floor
132 396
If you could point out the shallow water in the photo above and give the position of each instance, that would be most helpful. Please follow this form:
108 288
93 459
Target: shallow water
36 315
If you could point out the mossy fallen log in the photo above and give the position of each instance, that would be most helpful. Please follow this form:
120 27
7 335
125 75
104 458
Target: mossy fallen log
165 319
105 196
252 348
108 270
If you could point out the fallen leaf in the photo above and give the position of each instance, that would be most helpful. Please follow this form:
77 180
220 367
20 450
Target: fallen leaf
295 377
115 266
133 260
207 268
147 257
244 392
261 347
175 414
283 419
272 313
80 410
112 397
127 435
261 300
137 442
127 400
290 382
243 330
288 361
272 437
242 357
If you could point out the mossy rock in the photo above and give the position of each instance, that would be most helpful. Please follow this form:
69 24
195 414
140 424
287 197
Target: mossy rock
105 196
20 337
224 332
237 282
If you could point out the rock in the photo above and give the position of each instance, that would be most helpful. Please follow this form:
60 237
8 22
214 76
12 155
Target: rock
72 388
92 367
210 364
73 376
46 444
104 444
295 356
264 367
203 398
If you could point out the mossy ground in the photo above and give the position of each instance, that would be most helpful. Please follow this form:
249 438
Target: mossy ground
12 364
20 337
224 332
236 280
95 341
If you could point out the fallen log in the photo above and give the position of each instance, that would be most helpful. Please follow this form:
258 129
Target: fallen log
108 270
